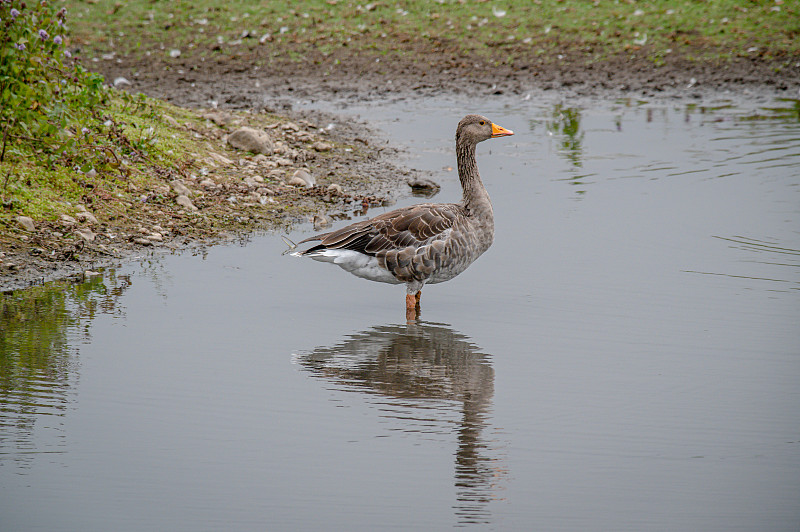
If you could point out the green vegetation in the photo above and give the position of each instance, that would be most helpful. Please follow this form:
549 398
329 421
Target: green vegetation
506 30
51 108
63 132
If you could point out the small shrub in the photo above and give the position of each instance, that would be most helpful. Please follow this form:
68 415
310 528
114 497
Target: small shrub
51 108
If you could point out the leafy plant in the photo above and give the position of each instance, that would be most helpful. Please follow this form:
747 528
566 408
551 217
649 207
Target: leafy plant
51 108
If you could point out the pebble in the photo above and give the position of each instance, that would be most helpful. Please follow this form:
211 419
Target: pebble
142 241
26 223
322 146
252 140
171 121
218 117
86 217
297 182
184 201
208 183
85 234
336 188
220 158
423 184
320 221
276 174
122 82
155 237
91 273
67 219
305 176
179 188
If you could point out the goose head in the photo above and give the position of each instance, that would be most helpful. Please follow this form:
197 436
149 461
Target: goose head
476 128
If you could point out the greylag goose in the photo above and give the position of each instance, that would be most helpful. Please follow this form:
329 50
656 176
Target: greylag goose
421 244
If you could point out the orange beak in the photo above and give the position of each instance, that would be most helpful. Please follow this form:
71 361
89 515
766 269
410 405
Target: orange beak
500 131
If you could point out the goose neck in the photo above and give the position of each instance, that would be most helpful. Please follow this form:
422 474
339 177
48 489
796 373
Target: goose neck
474 191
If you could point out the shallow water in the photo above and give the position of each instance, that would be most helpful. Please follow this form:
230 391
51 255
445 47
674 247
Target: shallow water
625 357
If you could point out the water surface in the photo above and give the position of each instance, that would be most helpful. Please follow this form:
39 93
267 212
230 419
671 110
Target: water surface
625 357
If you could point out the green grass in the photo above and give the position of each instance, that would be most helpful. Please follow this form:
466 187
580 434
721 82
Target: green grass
152 146
63 134
720 27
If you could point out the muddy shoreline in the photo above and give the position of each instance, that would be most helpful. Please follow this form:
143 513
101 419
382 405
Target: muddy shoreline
232 194
374 178
237 82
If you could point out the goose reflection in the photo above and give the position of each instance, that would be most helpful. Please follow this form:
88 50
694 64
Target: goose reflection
420 366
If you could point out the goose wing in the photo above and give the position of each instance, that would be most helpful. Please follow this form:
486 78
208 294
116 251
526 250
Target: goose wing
410 227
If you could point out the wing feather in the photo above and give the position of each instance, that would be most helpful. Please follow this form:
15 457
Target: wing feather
406 227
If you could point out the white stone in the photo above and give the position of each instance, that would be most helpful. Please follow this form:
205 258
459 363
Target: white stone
171 121
252 140
85 234
184 201
179 188
307 178
220 158
322 146
26 223
86 217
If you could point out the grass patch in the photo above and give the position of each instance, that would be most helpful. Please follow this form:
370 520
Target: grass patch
133 147
65 136
507 30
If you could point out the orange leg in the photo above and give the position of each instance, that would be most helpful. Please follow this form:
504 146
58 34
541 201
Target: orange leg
412 306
